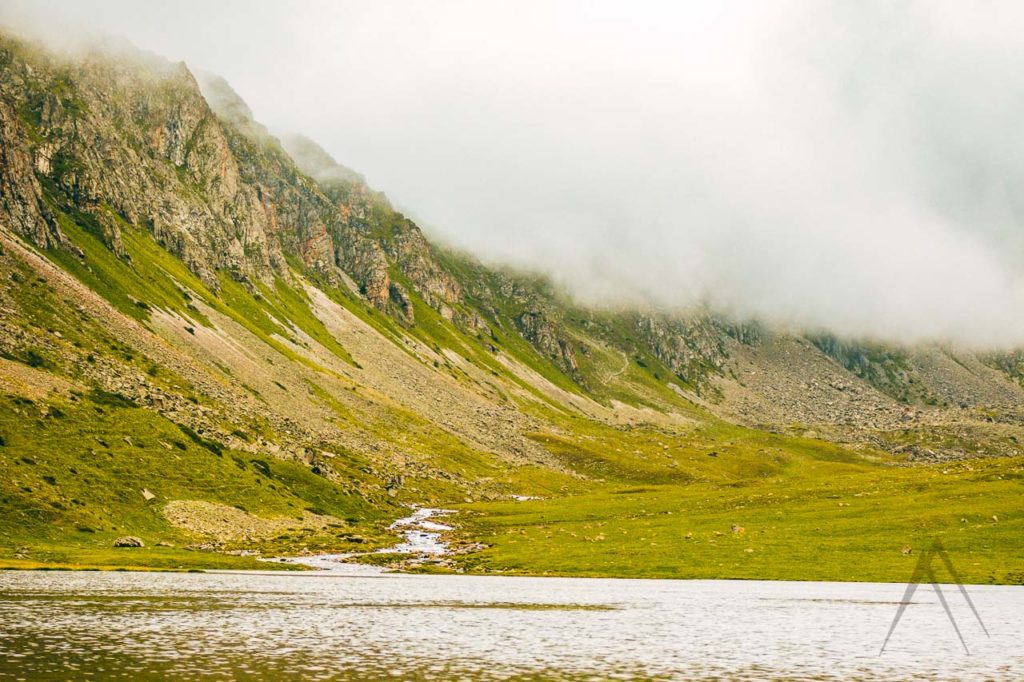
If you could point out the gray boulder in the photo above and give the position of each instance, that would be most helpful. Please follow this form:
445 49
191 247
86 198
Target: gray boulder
128 541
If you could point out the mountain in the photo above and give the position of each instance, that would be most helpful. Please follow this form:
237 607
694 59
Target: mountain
225 342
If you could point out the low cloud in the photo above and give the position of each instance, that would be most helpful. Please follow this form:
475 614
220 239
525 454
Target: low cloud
850 166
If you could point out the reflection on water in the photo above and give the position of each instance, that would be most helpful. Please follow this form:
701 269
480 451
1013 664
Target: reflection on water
60 625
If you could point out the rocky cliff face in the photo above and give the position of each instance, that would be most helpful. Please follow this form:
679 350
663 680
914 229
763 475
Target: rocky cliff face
20 190
132 145
134 142
137 142
691 348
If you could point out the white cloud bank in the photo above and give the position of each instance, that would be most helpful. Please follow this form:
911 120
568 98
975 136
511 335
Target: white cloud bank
852 166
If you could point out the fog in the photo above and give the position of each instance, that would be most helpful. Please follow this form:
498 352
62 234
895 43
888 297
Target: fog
850 166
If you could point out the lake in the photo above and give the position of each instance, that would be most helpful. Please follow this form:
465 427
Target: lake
324 625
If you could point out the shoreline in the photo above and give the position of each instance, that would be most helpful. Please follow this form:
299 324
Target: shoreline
285 569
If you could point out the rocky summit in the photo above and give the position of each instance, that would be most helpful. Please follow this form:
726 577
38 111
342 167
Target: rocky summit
217 344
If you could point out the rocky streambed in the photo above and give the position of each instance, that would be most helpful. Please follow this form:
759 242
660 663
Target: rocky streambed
423 543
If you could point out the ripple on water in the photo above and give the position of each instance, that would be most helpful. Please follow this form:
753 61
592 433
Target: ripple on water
59 625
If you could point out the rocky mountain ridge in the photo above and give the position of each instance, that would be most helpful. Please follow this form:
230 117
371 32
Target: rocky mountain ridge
136 141
164 255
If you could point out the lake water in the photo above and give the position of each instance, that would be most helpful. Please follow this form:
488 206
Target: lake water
324 625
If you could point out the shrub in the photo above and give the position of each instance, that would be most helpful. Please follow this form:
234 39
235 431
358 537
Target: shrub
101 397
213 446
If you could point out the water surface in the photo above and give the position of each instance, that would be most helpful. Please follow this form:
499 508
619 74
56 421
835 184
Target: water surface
335 625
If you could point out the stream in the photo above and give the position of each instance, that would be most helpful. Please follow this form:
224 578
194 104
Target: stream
422 537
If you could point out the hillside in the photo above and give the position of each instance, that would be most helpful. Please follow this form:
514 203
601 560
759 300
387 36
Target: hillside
218 341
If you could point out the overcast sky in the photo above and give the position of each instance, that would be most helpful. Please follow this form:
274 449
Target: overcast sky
853 166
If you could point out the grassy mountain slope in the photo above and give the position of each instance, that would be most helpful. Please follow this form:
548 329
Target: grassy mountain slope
219 342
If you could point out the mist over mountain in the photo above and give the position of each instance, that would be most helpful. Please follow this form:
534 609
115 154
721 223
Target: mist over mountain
220 342
815 165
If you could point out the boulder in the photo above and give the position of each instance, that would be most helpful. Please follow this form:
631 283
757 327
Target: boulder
128 541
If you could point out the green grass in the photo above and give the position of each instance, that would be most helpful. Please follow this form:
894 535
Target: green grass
156 279
62 556
293 305
807 511
153 276
239 304
72 475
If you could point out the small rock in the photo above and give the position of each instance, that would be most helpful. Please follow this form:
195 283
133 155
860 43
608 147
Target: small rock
995 519
128 541
906 550
736 528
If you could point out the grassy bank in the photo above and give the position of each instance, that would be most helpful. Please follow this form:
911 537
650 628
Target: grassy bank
803 534
761 509
76 474
136 560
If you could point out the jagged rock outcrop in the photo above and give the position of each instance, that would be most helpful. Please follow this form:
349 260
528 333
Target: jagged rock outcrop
691 348
21 195
132 144
887 369
540 331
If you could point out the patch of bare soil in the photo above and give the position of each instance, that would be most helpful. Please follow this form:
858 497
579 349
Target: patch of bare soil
223 523
29 382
